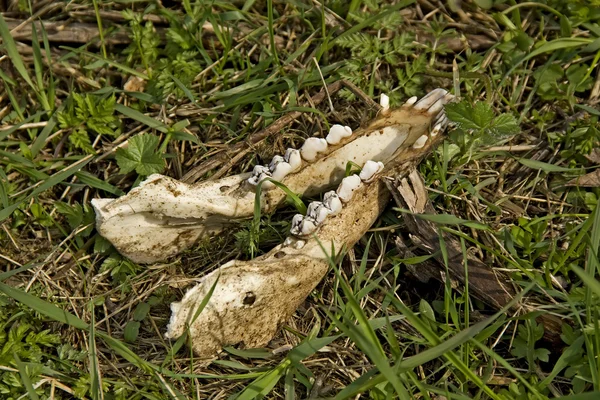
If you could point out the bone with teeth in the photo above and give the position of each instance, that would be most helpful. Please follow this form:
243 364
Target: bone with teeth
162 216
251 299
337 133
420 142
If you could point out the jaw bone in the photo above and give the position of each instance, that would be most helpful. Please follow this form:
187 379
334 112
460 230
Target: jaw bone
163 216
251 299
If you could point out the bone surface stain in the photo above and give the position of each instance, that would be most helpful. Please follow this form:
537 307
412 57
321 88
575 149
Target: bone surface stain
249 299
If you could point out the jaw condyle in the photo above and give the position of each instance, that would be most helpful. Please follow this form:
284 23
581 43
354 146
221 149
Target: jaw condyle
162 216
251 299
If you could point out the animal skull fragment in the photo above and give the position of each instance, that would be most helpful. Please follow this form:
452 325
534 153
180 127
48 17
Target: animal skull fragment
251 299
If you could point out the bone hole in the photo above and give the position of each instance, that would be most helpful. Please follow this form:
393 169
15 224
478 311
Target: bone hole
280 254
249 298
224 188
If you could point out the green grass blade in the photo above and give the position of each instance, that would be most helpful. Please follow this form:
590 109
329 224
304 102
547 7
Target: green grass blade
13 53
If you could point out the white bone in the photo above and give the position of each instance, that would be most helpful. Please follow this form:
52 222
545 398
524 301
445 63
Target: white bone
292 157
337 133
370 170
317 211
430 99
420 142
440 103
347 187
311 147
332 201
411 101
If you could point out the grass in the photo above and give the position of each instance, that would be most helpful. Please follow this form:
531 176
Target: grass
180 83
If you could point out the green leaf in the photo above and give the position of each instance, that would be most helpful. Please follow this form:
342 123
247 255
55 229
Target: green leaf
140 312
534 164
141 155
131 331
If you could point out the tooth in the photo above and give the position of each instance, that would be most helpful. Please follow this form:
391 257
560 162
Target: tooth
420 142
292 157
369 170
347 187
276 160
437 129
308 226
384 101
296 224
281 170
318 212
337 133
332 201
411 101
259 173
430 99
299 244
311 147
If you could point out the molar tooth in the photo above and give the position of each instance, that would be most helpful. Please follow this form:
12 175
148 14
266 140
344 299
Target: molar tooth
292 157
259 173
281 170
411 101
295 229
318 212
430 99
308 226
347 187
337 133
276 160
332 201
311 147
370 170
420 142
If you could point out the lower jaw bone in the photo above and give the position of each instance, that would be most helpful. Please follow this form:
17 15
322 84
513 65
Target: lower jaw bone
163 217
251 299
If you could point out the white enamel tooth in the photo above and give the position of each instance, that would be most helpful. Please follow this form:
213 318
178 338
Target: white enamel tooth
318 212
420 142
308 226
296 224
267 185
437 129
257 174
276 160
299 244
430 99
411 101
292 157
337 133
370 170
311 147
347 132
281 170
347 187
332 201
384 102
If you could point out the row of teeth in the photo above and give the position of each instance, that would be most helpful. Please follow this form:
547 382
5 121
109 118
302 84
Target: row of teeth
305 225
280 167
